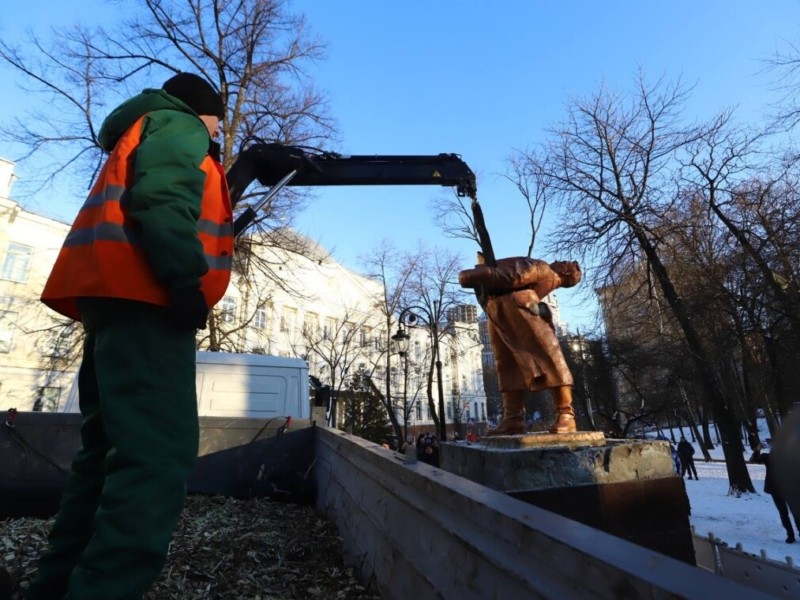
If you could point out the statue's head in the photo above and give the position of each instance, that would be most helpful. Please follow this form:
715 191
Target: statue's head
568 270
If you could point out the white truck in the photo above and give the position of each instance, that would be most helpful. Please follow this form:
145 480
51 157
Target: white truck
253 386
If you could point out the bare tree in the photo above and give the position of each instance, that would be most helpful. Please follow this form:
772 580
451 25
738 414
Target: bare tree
340 348
785 65
431 292
392 270
255 52
754 197
455 217
719 168
611 163
529 174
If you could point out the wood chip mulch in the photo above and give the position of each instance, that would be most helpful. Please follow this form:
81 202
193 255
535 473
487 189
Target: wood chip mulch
256 549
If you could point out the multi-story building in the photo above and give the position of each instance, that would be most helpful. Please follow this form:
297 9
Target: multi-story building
467 392
34 343
284 303
333 318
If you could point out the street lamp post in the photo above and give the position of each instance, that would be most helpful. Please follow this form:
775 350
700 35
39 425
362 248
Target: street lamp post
409 318
401 339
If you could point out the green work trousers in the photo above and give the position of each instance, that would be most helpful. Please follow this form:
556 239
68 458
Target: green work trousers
139 439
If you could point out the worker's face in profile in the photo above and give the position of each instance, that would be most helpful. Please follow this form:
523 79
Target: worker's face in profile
212 124
568 271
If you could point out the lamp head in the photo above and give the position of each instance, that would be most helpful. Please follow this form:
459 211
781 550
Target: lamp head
400 341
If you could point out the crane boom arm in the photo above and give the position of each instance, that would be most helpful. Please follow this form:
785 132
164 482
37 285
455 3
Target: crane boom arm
270 163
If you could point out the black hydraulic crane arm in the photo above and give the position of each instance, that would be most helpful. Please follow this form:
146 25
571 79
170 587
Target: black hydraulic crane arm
279 165
269 163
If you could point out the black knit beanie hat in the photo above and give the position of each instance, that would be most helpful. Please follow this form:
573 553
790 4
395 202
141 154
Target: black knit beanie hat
196 92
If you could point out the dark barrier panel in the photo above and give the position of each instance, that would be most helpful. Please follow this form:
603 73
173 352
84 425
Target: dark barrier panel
277 467
35 455
653 513
239 457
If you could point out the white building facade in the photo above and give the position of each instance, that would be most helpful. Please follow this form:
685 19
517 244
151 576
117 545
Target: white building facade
35 371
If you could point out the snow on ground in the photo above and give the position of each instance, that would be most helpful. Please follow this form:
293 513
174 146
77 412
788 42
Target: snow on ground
751 519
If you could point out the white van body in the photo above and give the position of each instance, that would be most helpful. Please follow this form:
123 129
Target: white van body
243 385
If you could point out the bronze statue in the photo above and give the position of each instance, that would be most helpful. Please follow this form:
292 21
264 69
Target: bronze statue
521 330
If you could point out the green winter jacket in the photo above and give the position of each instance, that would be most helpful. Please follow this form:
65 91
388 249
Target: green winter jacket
164 199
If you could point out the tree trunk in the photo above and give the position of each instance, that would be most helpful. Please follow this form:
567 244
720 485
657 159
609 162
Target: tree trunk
707 441
724 417
673 427
772 419
431 401
783 396
693 424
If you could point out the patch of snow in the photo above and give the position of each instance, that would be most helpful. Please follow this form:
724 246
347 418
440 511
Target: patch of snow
750 519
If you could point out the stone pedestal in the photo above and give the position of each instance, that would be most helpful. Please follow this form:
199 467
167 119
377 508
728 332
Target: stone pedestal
627 488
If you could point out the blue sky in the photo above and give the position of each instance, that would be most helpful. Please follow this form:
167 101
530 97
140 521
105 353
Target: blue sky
482 79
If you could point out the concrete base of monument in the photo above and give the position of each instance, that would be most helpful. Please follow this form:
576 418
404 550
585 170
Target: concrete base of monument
628 488
545 440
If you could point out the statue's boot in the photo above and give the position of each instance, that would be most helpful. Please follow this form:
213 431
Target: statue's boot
565 414
513 422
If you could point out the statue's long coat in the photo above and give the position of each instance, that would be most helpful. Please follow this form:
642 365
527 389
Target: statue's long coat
526 350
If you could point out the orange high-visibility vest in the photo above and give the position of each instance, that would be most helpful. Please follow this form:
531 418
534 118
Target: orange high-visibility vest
101 255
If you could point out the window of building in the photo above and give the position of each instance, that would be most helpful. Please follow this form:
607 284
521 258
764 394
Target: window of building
311 325
418 408
330 329
8 321
288 319
228 307
260 320
17 263
47 399
58 342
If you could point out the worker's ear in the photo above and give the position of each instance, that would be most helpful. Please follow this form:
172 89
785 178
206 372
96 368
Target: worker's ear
481 260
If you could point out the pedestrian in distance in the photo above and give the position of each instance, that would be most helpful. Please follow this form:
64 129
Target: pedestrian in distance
420 444
409 449
771 487
429 452
686 454
148 255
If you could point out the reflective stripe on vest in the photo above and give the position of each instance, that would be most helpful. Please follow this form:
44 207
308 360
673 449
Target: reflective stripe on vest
111 232
103 257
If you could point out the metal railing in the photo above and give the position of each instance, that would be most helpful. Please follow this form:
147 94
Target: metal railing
780 579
